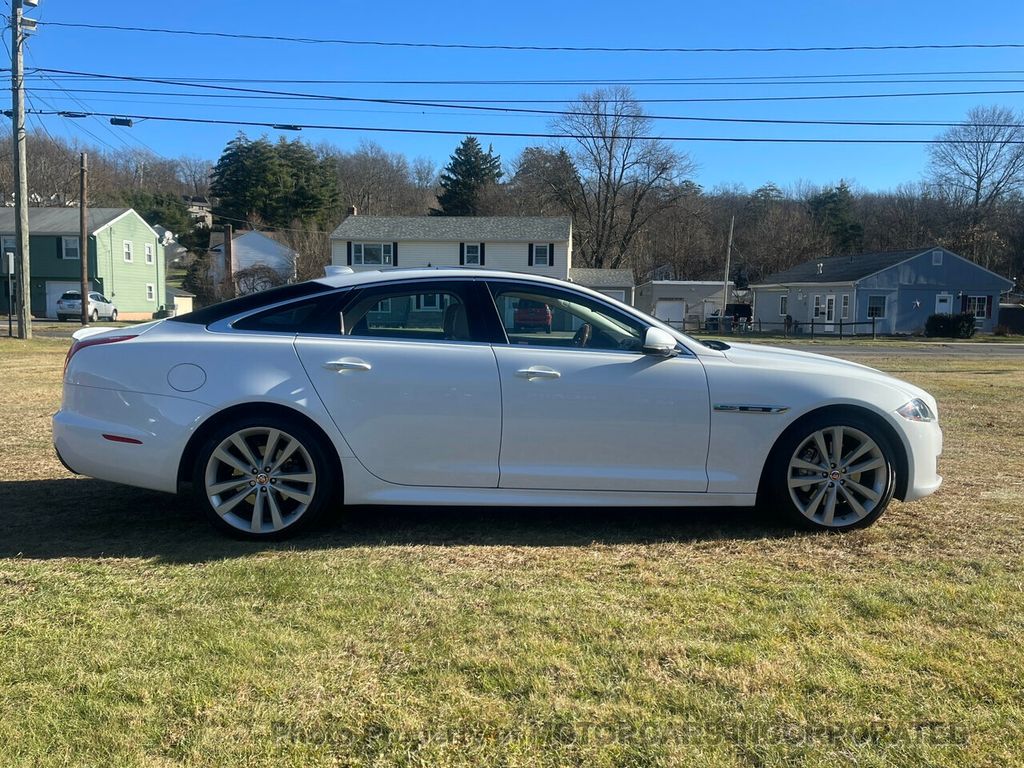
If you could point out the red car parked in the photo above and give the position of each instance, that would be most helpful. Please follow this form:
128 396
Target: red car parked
531 314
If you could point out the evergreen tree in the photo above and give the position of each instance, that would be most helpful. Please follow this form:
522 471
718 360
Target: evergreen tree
468 174
833 211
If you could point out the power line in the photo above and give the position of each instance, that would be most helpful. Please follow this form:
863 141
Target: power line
454 105
545 48
511 111
518 134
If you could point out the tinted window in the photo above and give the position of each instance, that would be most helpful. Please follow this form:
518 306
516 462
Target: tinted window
70 295
254 301
425 312
320 314
538 315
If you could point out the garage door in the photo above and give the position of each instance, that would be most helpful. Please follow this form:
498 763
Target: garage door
671 311
54 290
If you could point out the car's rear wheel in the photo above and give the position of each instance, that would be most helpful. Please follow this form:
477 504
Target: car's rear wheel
263 478
95 315
835 472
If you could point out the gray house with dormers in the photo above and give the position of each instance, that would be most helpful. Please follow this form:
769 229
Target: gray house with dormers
898 289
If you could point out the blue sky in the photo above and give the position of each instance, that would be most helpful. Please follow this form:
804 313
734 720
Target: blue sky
658 24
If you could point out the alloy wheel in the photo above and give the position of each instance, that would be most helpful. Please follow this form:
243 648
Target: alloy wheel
838 476
260 480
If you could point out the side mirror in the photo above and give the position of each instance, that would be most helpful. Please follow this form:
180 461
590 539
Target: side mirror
661 343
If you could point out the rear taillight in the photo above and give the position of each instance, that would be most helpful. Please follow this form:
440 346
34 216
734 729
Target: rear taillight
81 344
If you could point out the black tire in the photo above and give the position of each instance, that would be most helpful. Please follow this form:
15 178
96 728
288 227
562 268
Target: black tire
850 490
113 316
313 451
94 316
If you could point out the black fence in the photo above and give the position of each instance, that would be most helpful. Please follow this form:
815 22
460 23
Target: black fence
838 329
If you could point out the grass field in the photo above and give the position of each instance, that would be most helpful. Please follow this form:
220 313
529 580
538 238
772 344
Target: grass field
131 634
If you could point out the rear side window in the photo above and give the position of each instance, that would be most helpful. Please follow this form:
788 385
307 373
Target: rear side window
251 302
320 314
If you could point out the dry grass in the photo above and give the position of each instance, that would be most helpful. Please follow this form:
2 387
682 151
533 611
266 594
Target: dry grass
131 634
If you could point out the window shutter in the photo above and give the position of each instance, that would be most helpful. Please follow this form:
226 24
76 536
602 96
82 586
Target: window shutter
481 254
348 251
60 247
462 254
551 254
530 252
988 306
394 254
963 303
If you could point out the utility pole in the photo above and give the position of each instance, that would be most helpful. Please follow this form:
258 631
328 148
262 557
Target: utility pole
20 174
728 264
83 234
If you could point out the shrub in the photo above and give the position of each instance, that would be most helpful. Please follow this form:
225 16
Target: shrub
959 326
1001 330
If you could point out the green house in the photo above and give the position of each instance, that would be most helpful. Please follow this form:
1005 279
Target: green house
126 259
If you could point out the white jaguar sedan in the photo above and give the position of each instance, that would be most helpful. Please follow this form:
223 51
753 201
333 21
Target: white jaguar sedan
419 387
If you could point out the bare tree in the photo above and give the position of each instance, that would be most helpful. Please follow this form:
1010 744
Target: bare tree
979 165
623 176
194 173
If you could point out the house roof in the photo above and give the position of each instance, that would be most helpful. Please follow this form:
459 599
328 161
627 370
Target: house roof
842 269
178 292
483 229
60 221
217 238
602 278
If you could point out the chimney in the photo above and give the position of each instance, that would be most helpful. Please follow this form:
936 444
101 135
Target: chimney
229 263
353 211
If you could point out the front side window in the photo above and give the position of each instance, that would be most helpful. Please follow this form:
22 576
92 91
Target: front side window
540 316
783 305
149 253
127 250
542 255
876 306
410 312
371 253
69 248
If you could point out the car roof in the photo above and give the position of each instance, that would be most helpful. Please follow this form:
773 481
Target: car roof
414 273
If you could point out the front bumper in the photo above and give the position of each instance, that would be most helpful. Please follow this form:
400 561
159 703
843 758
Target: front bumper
924 446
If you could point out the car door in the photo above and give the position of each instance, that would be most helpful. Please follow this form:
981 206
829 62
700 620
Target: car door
409 385
583 408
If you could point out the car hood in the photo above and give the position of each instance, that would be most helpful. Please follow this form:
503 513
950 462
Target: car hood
766 357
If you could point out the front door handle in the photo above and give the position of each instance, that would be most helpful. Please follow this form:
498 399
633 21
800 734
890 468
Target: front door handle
538 372
347 364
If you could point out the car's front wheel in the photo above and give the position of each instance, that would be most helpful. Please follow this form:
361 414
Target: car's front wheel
94 316
263 478
834 472
113 316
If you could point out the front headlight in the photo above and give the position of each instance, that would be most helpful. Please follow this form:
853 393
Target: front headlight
916 410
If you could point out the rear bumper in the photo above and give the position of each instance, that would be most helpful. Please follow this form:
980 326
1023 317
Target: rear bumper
162 426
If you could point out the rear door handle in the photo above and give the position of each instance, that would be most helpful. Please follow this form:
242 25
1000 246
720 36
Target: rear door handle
538 372
347 364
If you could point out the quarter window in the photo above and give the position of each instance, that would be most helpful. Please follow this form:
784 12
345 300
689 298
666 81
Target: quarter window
69 248
371 253
876 306
539 316
127 245
542 255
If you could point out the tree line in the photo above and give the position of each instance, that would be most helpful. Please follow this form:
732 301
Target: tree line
633 199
